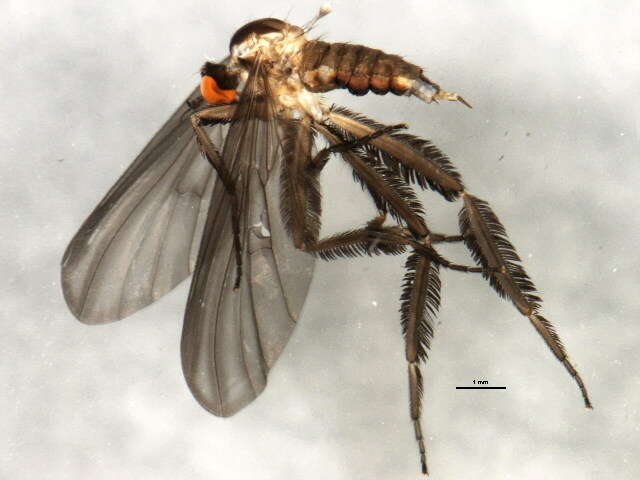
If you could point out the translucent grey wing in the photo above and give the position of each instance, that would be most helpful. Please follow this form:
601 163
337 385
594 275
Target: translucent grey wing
142 239
231 338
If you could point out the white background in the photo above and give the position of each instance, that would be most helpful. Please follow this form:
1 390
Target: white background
552 143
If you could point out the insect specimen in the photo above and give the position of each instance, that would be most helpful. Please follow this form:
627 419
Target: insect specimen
242 211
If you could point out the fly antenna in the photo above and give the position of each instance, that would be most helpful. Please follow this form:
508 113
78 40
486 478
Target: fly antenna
325 9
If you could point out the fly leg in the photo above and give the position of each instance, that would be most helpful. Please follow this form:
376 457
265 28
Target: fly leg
300 188
442 238
420 299
343 146
390 192
419 161
383 183
377 239
213 156
487 240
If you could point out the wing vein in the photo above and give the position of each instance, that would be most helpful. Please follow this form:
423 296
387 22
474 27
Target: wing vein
110 242
175 194
245 246
215 334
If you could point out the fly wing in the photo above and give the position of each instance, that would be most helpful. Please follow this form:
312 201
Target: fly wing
232 337
142 239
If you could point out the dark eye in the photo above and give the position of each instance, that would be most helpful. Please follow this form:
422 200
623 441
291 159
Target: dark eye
225 79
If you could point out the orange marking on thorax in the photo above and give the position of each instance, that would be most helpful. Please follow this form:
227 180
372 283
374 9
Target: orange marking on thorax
213 94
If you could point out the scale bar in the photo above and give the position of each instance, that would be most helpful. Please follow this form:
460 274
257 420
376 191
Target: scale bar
481 388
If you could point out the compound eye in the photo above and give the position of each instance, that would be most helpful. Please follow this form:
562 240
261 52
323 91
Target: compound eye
213 94
218 84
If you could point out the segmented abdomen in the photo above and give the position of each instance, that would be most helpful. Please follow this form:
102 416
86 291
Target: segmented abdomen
326 66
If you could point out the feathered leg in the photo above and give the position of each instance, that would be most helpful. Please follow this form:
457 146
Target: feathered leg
420 302
419 161
377 239
301 204
487 239
391 193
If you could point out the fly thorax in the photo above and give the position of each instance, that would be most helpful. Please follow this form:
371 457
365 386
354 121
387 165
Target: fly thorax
278 46
270 38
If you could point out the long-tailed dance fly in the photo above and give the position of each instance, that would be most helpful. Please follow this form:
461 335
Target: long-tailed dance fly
229 190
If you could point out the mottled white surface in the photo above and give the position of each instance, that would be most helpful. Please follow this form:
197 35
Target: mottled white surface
552 143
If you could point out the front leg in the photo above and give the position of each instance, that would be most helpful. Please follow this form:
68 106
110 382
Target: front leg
211 116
